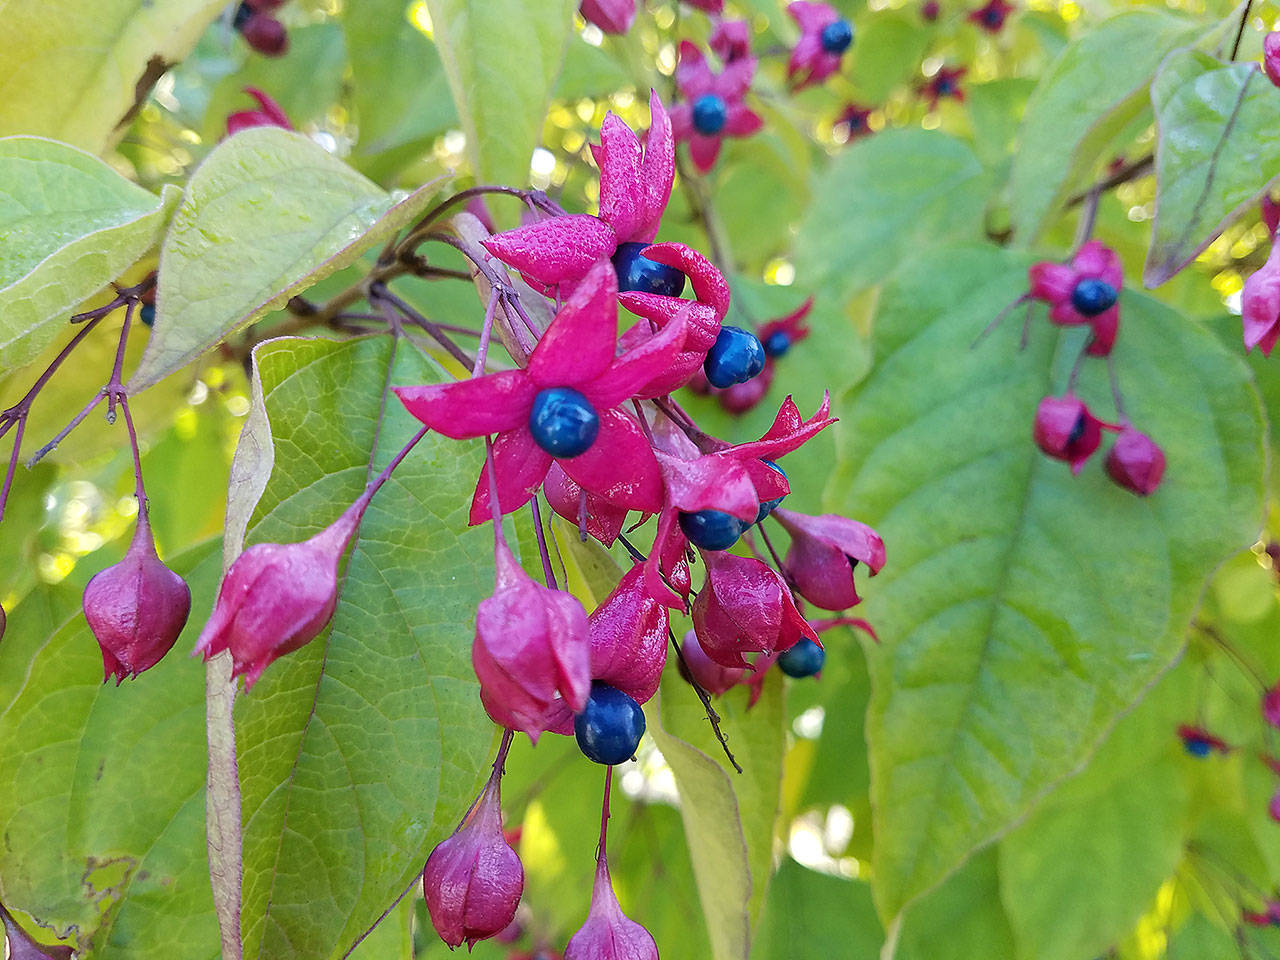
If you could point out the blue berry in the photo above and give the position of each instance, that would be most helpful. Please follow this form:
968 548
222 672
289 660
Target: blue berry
802 660
767 506
1197 747
712 529
610 726
735 357
837 36
637 272
563 422
777 344
1093 296
944 87
709 114
242 14
147 314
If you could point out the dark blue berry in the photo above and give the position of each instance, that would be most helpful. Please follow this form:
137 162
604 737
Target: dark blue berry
802 660
735 357
242 14
147 314
636 272
712 529
1197 747
610 726
777 344
709 114
944 87
563 422
1093 296
836 36
767 506
993 18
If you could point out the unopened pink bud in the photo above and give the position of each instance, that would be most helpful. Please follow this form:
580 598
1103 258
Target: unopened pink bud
1271 56
473 880
629 638
823 553
531 648
1136 462
136 608
277 597
744 607
1271 705
705 672
609 934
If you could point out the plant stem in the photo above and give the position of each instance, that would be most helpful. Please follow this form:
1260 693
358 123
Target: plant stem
712 716
1244 18
379 291
604 813
547 572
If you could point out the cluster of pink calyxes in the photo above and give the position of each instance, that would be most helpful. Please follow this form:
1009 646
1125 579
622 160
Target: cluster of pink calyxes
1086 293
255 21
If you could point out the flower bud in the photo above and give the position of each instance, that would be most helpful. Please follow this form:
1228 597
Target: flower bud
1066 430
531 647
1271 705
609 934
277 597
629 638
741 398
744 607
1135 462
268 114
824 551
473 880
698 668
1273 807
136 608
1260 305
1271 56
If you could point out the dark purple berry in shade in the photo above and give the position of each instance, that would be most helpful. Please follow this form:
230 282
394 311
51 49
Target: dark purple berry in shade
563 422
768 506
242 15
735 357
803 659
637 272
609 728
776 344
836 36
147 314
710 113
1093 296
265 34
711 529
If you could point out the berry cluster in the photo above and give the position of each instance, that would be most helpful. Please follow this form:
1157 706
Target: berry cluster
1086 292
583 420
254 21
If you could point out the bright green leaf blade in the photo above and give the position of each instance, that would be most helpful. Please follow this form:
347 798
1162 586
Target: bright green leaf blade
69 224
959 920
811 914
502 97
102 791
364 748
887 53
1094 88
900 191
1219 137
1022 609
728 817
74 73
276 212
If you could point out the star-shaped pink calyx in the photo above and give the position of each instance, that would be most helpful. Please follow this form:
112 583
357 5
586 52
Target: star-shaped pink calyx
562 407
712 108
635 184
824 37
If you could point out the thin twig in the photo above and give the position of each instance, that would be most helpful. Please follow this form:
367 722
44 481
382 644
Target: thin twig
712 716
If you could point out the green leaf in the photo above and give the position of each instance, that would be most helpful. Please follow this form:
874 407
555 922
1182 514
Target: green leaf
1217 141
959 920
1022 609
901 192
70 224
502 97
813 914
274 212
728 817
1095 87
364 748
76 76
887 53
102 790
399 90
